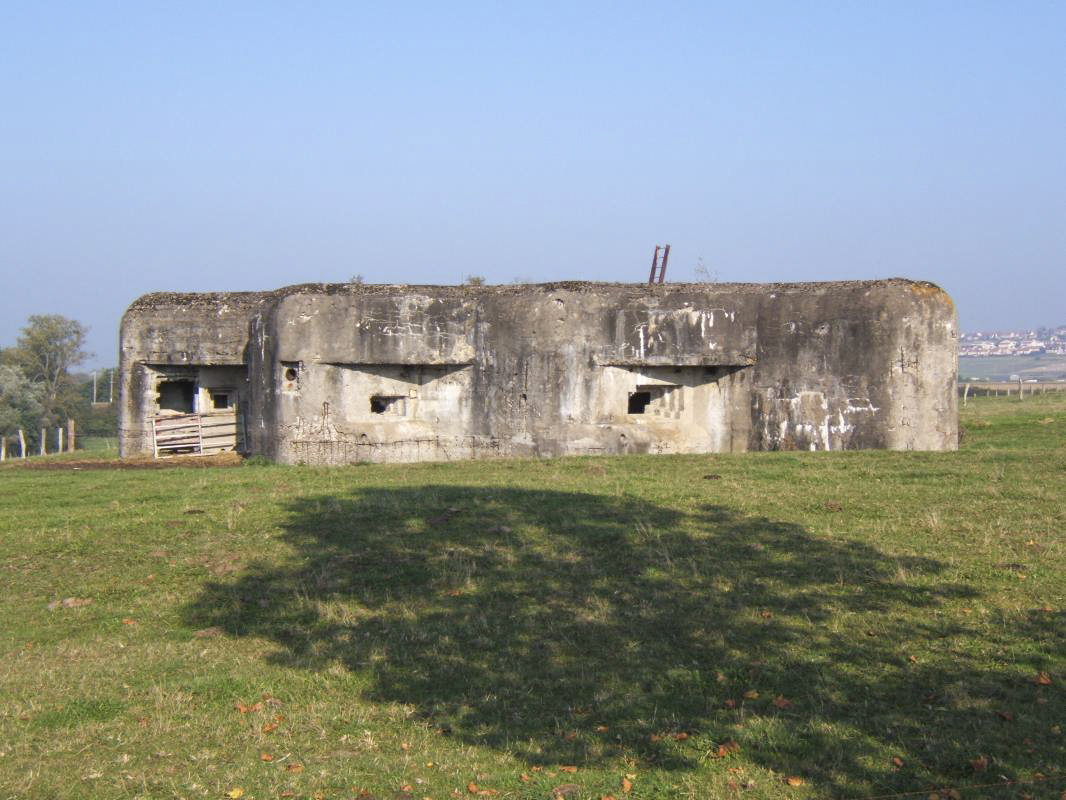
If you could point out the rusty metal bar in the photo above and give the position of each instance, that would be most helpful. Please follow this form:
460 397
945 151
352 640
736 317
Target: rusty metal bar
654 264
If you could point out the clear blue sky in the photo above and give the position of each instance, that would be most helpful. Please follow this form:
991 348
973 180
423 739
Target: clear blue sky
223 146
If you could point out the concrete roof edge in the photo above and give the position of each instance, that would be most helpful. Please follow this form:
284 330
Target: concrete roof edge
253 298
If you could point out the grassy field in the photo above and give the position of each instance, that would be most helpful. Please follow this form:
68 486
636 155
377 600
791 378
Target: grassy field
760 626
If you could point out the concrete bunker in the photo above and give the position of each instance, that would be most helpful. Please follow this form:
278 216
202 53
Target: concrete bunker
334 374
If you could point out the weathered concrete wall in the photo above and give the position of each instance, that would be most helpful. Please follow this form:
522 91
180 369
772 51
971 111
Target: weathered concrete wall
337 374
174 336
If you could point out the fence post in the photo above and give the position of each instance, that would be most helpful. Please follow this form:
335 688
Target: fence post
22 443
59 439
965 394
3 448
70 436
1021 388
44 433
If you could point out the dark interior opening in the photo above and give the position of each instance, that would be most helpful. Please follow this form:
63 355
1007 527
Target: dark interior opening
380 404
638 401
177 396
220 400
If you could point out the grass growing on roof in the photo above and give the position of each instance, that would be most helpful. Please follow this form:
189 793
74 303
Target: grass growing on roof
684 626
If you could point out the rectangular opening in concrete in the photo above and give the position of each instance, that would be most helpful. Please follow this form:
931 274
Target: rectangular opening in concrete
659 400
394 405
177 396
221 399
638 402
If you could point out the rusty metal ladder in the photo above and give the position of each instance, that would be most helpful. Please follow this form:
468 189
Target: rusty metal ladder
659 263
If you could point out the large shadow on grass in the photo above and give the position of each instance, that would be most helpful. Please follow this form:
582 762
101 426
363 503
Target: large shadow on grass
573 628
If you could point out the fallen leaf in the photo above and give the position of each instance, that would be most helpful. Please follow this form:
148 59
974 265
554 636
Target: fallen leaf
730 703
235 792
751 694
294 767
794 780
569 769
472 787
270 727
601 729
565 790
524 778
129 621
727 747
571 736
266 757
766 614
241 707
405 746
1042 679
781 702
488 792
680 737
407 788
627 785
897 761
979 764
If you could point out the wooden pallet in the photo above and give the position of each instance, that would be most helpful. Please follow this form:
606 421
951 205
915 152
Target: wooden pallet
197 434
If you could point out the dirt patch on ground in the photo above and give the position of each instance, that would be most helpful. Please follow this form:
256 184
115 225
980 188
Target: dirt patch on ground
220 460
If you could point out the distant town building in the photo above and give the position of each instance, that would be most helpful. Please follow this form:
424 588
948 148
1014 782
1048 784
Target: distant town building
1014 343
